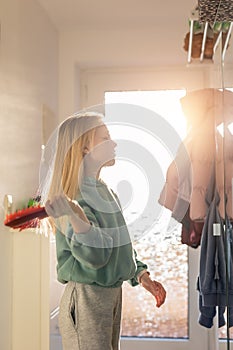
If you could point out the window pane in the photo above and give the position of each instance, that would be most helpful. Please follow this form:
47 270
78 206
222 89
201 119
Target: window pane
160 249
167 261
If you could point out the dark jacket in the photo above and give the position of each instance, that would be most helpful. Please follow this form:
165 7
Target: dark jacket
214 283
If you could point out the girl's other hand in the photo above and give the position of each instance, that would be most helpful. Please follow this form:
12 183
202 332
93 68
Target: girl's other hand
155 288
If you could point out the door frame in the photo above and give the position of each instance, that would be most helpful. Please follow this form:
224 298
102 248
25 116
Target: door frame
93 85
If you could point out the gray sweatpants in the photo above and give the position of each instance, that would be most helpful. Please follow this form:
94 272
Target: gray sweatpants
90 317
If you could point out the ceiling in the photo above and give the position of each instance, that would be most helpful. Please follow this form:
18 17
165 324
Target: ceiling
114 14
166 19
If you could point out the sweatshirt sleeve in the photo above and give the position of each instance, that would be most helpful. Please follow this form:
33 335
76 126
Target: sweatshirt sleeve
93 248
140 266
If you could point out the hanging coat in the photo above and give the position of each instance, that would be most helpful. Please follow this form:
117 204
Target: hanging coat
215 260
189 174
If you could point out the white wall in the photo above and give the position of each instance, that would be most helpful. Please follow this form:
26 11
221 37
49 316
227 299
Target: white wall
28 84
147 51
113 48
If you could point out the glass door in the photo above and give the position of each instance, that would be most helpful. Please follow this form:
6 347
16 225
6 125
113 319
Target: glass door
156 236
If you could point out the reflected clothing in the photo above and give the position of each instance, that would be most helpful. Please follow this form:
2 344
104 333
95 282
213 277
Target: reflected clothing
189 174
212 281
90 317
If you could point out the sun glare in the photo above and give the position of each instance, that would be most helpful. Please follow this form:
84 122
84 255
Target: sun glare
138 179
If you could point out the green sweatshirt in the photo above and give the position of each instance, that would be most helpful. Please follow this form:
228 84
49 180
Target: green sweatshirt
104 255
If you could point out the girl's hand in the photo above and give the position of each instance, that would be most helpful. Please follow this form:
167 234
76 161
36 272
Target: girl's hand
155 288
61 205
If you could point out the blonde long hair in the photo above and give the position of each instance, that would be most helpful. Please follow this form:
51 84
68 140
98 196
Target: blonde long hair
75 133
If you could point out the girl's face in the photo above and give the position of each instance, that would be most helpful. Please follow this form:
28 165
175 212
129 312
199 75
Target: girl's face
102 151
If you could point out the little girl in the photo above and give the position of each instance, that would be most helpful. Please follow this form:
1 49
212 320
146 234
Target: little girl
94 252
